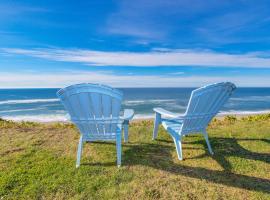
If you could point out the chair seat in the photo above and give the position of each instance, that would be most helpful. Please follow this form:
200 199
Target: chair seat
100 138
172 125
105 136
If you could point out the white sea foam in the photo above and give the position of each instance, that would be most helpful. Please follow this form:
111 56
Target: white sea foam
174 106
147 101
223 113
27 101
244 112
64 117
144 116
38 118
58 117
251 98
20 110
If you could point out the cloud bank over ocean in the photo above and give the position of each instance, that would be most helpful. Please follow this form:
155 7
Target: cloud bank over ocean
170 57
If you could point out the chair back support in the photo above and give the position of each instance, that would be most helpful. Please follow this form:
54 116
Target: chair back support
94 108
204 104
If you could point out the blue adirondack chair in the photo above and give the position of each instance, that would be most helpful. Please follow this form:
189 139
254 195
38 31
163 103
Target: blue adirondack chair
95 110
204 104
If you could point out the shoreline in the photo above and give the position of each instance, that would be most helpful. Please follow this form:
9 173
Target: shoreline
137 119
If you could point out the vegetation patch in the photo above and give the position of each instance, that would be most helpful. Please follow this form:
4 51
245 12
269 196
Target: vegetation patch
37 161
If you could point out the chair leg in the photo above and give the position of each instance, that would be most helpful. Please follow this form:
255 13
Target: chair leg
178 146
118 149
79 152
125 127
207 142
156 124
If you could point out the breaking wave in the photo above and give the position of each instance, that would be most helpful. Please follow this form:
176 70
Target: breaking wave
27 101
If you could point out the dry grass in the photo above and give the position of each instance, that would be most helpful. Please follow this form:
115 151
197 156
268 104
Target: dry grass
37 161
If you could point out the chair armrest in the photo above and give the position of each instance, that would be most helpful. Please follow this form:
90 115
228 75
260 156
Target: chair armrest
167 113
128 114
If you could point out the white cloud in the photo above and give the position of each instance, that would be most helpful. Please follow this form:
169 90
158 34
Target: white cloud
36 80
179 57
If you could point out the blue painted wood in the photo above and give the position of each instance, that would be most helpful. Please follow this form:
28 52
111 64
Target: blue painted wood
156 124
203 105
128 115
95 110
118 149
79 152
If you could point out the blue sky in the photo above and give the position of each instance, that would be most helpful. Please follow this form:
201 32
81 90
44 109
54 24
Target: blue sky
140 43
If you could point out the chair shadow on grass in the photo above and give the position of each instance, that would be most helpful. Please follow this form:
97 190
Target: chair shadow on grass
230 147
158 156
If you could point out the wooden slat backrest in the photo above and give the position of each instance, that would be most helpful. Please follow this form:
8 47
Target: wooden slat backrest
93 108
204 104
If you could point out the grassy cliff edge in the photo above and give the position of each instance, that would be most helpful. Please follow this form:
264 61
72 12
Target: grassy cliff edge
37 161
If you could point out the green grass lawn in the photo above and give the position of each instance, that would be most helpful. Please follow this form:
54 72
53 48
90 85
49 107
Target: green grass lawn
37 161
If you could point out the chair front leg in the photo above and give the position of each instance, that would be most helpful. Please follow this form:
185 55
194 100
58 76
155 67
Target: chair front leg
178 146
79 152
207 142
125 127
118 149
156 125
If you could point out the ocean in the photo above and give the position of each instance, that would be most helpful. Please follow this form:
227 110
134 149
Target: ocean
42 105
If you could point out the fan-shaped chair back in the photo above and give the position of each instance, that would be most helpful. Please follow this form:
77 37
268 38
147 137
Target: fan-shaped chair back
204 104
93 108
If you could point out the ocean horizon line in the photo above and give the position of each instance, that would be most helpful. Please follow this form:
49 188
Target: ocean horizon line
189 87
